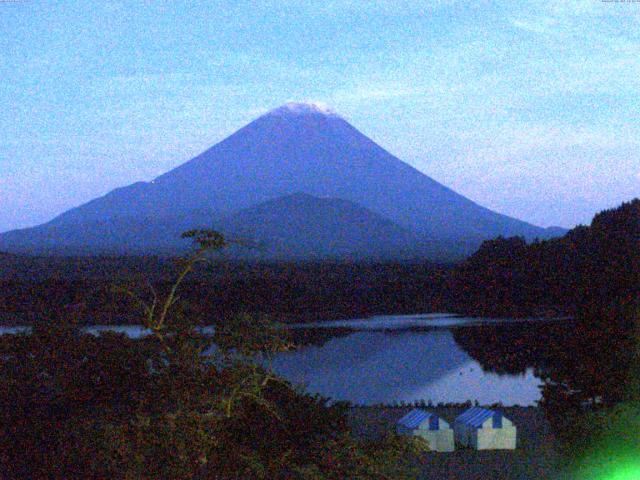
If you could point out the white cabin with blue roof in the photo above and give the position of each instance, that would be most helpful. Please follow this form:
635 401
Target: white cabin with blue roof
429 426
484 429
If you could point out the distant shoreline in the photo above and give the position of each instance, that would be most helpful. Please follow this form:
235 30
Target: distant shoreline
310 321
373 323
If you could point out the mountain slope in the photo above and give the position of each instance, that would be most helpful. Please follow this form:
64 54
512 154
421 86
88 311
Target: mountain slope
303 226
291 227
295 148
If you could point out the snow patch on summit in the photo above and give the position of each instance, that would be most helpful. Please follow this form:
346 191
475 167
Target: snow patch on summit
295 108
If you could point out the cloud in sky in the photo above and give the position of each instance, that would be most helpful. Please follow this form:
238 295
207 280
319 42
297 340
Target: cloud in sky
483 96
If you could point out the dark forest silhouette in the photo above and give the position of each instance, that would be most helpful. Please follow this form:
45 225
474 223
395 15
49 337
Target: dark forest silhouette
591 271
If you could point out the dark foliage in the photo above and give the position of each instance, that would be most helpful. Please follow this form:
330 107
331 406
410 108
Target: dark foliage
75 405
590 271
33 287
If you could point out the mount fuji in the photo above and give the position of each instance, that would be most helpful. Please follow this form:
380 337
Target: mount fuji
300 174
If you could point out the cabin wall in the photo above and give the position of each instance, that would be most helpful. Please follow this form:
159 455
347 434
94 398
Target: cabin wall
438 440
486 438
496 439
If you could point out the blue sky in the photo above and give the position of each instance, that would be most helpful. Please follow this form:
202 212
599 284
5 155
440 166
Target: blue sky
529 108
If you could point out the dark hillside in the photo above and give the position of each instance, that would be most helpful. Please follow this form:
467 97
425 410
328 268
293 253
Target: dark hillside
591 269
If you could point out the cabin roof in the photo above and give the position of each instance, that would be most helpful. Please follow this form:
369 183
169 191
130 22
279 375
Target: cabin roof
476 416
415 418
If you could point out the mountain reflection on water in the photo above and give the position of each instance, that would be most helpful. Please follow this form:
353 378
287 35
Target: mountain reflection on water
485 361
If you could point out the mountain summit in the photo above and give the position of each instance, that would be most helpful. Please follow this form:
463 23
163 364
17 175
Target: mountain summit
296 148
295 108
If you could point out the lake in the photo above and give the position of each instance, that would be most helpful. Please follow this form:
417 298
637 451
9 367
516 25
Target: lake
432 357
408 358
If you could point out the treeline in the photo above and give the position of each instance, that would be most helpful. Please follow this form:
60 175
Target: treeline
592 270
32 288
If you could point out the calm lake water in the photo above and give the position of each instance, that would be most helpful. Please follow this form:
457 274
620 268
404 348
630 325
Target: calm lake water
411 358
436 357
384 367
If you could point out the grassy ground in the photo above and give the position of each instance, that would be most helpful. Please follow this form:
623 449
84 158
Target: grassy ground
536 456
